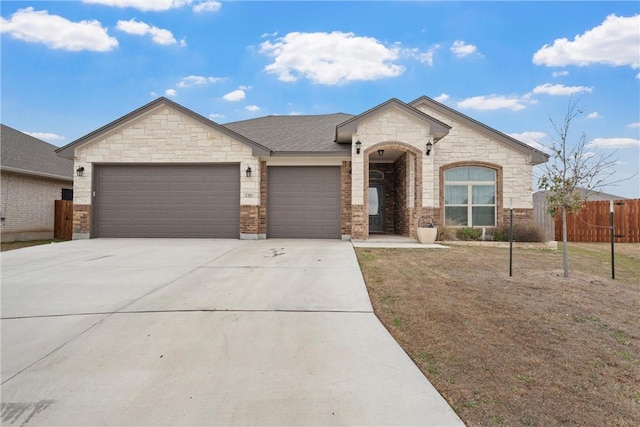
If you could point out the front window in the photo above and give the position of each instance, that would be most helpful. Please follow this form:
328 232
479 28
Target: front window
470 196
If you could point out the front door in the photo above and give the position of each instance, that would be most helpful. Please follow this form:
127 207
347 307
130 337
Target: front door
376 208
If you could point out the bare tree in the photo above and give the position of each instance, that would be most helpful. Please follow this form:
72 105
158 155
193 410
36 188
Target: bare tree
573 172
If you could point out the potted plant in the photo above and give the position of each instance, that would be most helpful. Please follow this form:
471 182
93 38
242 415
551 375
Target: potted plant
426 230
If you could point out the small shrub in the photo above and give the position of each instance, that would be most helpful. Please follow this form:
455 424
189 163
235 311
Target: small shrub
469 233
446 233
498 235
522 232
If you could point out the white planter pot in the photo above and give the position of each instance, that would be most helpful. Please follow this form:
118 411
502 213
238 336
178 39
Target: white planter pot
427 235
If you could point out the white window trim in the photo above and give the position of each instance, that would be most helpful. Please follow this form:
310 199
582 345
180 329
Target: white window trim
470 205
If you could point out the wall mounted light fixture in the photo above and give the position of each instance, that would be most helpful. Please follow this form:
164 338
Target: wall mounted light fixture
80 171
248 171
429 147
358 145
380 153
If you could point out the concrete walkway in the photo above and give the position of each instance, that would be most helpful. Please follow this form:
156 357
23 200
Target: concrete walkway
201 332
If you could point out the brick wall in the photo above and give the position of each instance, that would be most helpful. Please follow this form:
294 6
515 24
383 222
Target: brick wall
346 213
262 209
249 219
401 218
359 227
28 206
519 216
81 219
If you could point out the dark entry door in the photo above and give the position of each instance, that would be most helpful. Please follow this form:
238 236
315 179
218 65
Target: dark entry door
376 208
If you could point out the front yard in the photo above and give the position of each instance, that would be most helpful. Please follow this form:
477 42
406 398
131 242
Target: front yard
534 349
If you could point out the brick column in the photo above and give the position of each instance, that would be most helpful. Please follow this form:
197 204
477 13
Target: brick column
81 221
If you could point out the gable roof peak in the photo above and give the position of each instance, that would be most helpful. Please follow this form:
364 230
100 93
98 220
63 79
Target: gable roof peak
537 156
68 150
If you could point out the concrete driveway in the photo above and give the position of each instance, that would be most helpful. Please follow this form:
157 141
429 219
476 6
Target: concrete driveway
201 332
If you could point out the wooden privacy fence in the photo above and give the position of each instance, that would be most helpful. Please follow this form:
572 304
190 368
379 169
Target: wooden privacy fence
592 223
63 222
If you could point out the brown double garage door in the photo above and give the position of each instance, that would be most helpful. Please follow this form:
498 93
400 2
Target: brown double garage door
204 201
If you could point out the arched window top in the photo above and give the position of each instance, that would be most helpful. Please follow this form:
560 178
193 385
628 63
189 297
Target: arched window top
376 175
470 173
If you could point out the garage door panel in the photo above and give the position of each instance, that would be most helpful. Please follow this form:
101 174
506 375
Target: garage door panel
304 202
167 201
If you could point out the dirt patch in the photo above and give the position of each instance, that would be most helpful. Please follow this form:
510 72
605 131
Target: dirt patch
534 349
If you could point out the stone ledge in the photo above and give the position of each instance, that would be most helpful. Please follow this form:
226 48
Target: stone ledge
553 245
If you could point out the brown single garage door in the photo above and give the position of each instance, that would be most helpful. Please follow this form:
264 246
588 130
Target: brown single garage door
304 202
167 201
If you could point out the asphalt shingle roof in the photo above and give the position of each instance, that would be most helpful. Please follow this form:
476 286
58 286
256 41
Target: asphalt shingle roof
294 133
24 152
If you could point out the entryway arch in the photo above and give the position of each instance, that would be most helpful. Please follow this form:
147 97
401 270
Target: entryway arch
394 190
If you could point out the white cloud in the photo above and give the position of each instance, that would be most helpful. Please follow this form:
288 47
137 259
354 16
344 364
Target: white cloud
330 58
244 87
614 42
46 136
144 5
171 92
295 113
214 116
57 32
252 108
634 125
207 6
614 143
265 35
593 115
535 139
495 102
442 97
558 89
197 80
183 42
460 48
153 93
560 73
139 28
423 57
236 95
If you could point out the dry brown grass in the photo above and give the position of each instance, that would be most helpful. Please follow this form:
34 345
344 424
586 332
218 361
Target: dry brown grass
533 349
9 246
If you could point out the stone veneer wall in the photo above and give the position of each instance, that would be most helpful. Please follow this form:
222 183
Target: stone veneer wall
465 144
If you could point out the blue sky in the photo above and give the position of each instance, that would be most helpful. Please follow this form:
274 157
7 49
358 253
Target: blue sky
69 67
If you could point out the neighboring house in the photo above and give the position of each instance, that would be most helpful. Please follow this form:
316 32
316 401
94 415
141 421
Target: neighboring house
165 171
33 177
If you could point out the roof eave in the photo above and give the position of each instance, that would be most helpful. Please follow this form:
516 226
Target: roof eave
345 154
36 173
